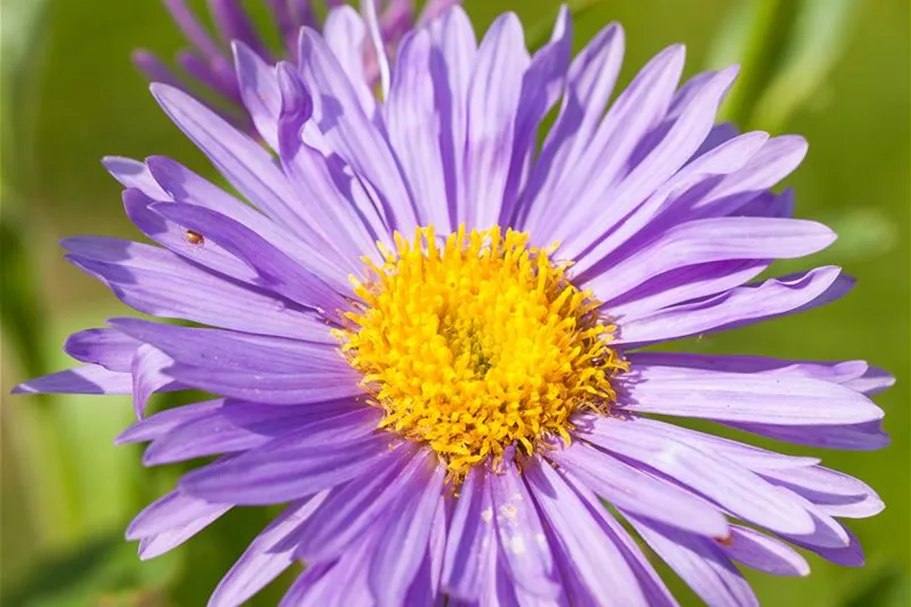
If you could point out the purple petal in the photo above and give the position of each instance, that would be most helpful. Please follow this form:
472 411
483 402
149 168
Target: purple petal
700 563
241 427
352 135
589 83
422 590
542 86
635 112
763 553
90 379
650 582
451 69
523 545
873 381
244 163
735 488
214 74
866 436
573 591
403 544
638 109
470 535
591 554
774 161
684 134
412 121
276 271
148 376
172 520
842 372
175 237
233 24
740 306
851 555
341 583
497 587
437 548
827 532
378 46
712 240
346 34
748 456
191 28
284 469
719 134
263 560
183 185
160 283
172 511
630 488
180 184
160 424
751 398
233 350
865 507
156 545
134 174
767 204
501 589
317 580
347 217
351 509
493 99
153 68
685 285
259 91
270 388
651 217
109 348
835 493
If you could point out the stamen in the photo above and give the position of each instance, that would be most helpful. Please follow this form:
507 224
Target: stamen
479 345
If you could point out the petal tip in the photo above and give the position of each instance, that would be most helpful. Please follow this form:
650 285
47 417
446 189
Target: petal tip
23 388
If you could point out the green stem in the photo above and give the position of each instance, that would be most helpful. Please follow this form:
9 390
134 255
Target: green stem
768 35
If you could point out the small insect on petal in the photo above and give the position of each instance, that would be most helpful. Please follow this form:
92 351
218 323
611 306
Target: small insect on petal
194 238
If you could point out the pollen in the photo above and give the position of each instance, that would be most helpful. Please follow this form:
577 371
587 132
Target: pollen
478 344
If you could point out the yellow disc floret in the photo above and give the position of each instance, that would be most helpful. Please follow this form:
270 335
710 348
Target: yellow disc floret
478 344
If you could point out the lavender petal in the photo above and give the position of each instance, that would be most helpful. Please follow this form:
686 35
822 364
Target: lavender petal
630 488
591 554
286 468
749 398
700 563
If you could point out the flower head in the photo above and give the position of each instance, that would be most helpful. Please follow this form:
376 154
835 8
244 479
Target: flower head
426 338
208 63
478 345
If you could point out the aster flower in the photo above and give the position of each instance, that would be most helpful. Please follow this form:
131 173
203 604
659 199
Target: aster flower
426 338
208 64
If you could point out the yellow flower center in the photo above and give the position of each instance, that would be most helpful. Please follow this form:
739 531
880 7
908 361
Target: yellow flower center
477 345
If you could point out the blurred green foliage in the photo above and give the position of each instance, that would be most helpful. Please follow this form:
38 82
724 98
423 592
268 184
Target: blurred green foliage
836 71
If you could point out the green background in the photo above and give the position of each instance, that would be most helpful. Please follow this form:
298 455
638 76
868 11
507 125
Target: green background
835 71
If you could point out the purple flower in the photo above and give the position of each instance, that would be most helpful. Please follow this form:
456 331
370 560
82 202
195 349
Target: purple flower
208 63
442 396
